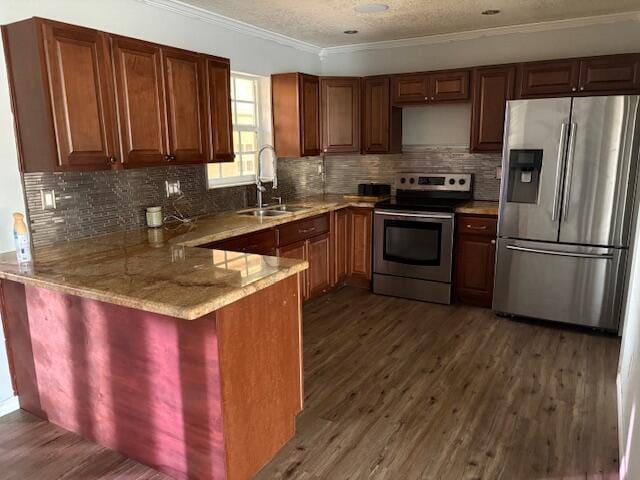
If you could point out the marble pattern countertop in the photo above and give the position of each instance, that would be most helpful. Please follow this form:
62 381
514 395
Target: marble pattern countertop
162 270
479 207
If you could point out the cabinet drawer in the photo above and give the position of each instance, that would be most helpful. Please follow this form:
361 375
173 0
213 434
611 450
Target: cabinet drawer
261 243
477 225
303 229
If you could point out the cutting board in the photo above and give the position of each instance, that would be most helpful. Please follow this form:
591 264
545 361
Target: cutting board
365 198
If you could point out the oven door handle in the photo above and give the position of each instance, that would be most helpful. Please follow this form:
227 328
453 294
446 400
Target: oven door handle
417 215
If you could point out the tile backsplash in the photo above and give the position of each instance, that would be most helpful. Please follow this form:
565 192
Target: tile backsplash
96 203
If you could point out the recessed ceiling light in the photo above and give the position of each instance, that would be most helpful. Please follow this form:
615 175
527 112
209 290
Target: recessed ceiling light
490 12
350 32
372 8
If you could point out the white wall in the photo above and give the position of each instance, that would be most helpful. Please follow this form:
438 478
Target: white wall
621 37
628 380
132 18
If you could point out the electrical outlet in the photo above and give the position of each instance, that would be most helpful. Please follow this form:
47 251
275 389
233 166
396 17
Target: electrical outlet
499 173
48 198
172 188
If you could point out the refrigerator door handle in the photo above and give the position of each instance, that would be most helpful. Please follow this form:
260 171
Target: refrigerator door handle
559 169
567 182
605 256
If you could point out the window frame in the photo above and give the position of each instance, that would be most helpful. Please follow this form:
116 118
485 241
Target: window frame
243 179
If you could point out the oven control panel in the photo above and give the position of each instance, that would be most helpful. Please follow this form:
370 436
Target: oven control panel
453 182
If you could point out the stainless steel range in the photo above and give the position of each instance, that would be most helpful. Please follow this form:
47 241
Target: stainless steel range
413 236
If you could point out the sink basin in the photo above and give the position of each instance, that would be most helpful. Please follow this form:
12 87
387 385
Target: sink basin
265 213
288 208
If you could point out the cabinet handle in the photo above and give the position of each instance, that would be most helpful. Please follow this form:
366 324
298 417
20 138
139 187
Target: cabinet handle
169 158
306 230
483 227
112 160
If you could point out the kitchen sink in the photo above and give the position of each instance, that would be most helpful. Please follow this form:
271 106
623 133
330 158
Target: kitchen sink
264 212
288 208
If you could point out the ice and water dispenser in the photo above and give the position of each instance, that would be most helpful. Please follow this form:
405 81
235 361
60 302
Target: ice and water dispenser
524 175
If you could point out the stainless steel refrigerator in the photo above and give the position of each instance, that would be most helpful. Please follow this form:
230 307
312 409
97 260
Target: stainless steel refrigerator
566 200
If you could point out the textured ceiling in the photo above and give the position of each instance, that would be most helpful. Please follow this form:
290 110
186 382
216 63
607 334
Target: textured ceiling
322 22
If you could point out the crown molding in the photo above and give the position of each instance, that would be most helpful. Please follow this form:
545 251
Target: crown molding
485 32
187 10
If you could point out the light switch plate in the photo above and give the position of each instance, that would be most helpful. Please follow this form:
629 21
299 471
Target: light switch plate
172 188
499 173
48 198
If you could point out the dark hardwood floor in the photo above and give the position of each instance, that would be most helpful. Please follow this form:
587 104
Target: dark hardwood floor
396 389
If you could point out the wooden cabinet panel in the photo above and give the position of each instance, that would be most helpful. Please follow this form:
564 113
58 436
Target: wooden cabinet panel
310 115
140 93
475 260
360 237
220 131
614 73
340 114
492 87
381 122
298 251
302 229
341 245
319 273
412 88
295 103
260 243
548 79
186 119
447 86
79 69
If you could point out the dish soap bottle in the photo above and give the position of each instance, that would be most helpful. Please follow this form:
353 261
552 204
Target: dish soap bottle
21 237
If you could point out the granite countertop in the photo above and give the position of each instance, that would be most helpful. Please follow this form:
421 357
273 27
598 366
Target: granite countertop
162 270
479 207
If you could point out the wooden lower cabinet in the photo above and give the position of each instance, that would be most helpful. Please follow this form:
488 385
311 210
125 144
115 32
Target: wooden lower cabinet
298 251
360 240
340 234
475 260
319 273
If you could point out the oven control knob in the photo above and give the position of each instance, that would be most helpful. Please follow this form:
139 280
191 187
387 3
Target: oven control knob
403 180
452 181
462 181
412 180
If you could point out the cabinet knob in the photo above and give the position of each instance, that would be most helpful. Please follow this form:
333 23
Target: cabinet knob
426 98
573 89
581 88
493 242
112 160
433 98
169 158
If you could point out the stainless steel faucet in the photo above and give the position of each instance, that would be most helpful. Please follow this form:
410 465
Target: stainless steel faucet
259 186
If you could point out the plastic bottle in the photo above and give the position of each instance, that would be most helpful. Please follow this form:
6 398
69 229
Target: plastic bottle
21 237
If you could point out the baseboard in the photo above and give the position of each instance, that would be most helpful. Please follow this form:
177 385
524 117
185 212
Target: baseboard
9 405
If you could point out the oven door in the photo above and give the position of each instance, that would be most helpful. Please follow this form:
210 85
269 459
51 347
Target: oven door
415 245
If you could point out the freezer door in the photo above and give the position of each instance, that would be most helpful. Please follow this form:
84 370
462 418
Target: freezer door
533 127
600 171
562 283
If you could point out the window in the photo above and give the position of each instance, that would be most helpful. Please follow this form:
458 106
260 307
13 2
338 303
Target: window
246 95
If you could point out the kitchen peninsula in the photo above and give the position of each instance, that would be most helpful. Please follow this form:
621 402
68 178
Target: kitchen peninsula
185 359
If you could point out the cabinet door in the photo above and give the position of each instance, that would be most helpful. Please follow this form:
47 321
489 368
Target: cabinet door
220 133
309 115
492 87
319 273
376 121
360 243
475 260
410 88
260 243
186 119
548 79
340 107
341 245
79 70
141 102
448 86
298 251
610 74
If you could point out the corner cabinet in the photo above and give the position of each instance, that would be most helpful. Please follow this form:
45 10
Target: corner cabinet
87 100
295 101
340 114
475 254
492 88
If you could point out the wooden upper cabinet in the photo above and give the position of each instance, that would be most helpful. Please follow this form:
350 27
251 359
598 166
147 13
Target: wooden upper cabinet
449 86
62 96
548 79
184 81
340 114
220 132
295 100
141 102
381 123
410 88
610 74
492 88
